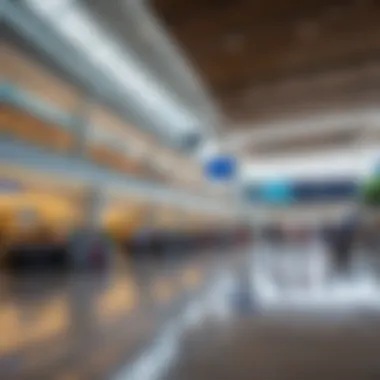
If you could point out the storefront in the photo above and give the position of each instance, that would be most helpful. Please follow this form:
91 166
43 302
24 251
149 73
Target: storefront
37 216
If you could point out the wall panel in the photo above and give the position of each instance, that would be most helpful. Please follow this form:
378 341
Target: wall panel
19 69
104 156
19 124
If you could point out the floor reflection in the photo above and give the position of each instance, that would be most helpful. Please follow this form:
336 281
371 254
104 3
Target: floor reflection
136 323
304 276
88 326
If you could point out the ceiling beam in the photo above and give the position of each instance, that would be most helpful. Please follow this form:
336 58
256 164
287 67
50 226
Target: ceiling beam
315 125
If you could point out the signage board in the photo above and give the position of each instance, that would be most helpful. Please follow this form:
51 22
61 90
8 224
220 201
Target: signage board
222 168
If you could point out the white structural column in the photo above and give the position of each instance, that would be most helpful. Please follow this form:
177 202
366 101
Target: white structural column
89 236
81 126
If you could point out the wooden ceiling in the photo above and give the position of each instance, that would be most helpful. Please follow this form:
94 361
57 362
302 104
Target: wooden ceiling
260 57
307 144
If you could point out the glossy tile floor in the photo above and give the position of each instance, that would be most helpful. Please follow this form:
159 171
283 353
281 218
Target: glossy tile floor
197 318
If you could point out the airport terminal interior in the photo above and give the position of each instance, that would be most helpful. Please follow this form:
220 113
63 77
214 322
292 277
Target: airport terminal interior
190 190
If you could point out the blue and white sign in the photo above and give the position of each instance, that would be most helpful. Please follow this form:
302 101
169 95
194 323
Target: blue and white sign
222 168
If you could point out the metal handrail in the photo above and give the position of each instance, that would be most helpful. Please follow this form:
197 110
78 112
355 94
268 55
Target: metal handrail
20 98
88 173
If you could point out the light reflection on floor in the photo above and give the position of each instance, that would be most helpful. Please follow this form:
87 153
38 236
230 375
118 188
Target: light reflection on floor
307 280
213 302
308 285
234 287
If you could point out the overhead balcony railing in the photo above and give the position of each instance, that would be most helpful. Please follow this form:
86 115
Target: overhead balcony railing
15 153
15 96
29 120
114 142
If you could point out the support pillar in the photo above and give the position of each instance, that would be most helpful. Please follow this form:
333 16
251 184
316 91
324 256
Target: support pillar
82 127
90 246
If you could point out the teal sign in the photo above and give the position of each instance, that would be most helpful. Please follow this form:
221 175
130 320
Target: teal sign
279 192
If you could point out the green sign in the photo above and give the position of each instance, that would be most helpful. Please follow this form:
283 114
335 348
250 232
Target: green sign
372 192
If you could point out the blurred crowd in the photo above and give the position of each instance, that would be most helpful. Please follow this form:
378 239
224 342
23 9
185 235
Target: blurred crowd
343 241
89 248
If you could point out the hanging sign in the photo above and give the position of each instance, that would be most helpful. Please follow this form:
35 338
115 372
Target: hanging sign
222 168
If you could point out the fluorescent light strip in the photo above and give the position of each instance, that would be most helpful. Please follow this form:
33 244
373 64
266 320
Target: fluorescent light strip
76 25
338 163
44 8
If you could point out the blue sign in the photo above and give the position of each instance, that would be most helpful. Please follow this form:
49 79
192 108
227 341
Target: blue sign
221 168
